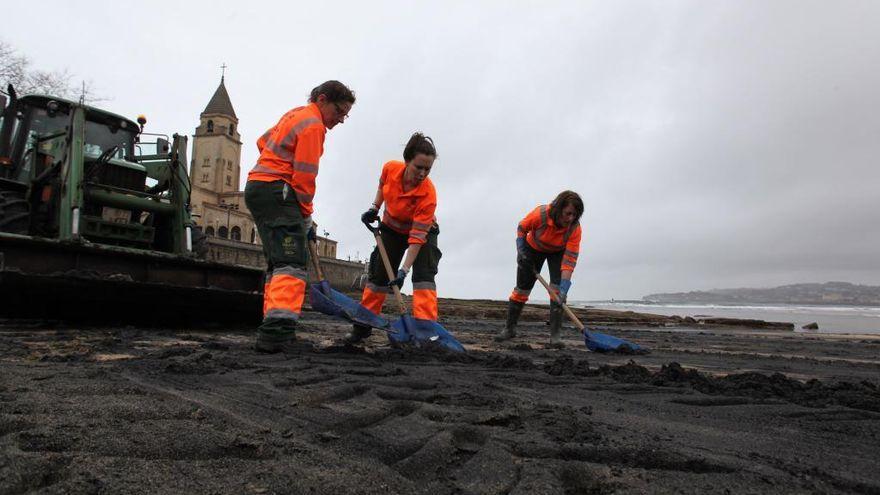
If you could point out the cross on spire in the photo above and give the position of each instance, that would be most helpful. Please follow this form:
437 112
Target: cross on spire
223 74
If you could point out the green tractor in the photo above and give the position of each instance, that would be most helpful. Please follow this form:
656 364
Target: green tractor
91 213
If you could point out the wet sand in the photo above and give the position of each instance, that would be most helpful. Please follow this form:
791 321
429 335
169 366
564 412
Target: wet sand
712 409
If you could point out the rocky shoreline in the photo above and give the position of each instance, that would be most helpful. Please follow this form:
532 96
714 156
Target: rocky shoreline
489 309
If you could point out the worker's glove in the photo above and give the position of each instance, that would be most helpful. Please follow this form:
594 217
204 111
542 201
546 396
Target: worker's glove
522 256
370 216
311 235
401 276
325 288
564 286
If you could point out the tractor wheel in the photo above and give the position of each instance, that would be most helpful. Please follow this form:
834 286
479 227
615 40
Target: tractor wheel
14 213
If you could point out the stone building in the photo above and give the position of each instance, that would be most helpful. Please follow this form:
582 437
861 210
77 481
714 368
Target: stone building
217 200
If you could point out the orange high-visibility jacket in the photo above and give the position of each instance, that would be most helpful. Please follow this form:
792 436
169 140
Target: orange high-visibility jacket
290 151
410 212
543 235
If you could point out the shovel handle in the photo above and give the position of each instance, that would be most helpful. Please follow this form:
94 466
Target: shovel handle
387 262
552 293
313 253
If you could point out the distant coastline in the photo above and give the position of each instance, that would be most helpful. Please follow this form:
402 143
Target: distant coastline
839 319
816 294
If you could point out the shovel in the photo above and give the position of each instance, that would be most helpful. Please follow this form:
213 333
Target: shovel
409 330
595 341
330 302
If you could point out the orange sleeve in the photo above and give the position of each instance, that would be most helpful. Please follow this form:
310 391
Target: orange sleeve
423 219
529 222
385 173
309 148
572 249
261 142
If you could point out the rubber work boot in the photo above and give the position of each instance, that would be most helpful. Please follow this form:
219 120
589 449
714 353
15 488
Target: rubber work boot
358 334
556 326
271 344
514 309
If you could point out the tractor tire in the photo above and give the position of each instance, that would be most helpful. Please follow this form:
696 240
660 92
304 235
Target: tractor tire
15 213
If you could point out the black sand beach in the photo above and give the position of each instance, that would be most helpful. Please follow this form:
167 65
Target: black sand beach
712 409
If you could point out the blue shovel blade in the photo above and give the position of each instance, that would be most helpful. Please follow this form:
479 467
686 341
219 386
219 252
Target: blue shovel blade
409 330
600 342
330 302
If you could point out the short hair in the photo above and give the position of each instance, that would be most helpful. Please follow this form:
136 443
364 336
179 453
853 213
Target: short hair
335 91
419 143
563 199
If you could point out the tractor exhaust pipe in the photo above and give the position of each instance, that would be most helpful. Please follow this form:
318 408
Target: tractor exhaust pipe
74 228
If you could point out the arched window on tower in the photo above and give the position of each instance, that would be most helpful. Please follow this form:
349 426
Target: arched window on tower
235 234
253 236
223 233
209 231
210 126
231 129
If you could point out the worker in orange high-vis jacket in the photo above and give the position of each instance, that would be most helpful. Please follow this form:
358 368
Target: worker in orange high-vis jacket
279 193
408 226
552 233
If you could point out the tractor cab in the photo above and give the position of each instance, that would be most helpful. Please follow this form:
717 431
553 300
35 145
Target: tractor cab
70 171
32 118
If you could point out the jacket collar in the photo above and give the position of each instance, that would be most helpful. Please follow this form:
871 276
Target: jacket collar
316 112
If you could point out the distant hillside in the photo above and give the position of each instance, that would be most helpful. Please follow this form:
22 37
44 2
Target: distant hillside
830 293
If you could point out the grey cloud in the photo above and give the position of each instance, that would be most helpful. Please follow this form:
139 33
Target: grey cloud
715 144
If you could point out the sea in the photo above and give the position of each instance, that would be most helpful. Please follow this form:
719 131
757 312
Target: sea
831 319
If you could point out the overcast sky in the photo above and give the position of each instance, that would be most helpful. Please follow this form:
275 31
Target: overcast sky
715 144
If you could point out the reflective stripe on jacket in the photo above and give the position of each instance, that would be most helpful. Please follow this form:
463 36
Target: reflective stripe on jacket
543 235
411 212
290 151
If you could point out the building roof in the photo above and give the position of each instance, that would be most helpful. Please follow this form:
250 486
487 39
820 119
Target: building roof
220 102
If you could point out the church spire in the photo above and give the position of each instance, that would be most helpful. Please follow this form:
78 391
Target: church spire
220 103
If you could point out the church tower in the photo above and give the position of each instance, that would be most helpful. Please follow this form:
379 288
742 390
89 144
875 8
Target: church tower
217 203
217 146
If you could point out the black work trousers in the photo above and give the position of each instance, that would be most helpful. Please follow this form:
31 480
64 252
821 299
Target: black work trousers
424 268
282 231
525 275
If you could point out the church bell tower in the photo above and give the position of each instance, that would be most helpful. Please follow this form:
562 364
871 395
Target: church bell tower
216 151
216 200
